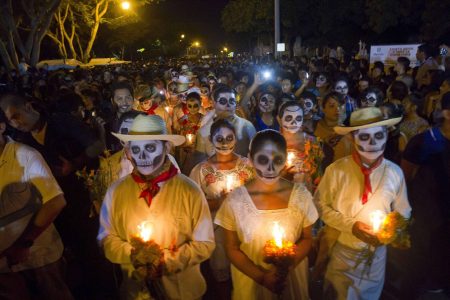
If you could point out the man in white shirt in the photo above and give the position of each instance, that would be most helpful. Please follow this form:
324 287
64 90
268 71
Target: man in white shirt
30 246
224 107
174 206
350 191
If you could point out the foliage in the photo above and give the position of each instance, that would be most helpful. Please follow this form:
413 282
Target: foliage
23 25
97 182
76 24
328 21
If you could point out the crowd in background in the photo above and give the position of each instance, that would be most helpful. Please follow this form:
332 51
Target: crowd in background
81 107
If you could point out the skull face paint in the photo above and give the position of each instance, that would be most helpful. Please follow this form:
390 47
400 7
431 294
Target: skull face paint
371 142
225 104
224 141
147 156
292 119
193 106
269 161
308 105
266 103
341 87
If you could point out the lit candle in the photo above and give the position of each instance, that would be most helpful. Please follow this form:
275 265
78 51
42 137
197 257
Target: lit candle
377 218
278 234
190 138
230 182
290 159
168 109
145 231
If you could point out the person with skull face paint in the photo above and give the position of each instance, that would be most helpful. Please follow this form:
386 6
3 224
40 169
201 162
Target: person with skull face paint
224 108
350 191
341 86
248 215
290 117
157 193
213 176
189 124
148 98
310 117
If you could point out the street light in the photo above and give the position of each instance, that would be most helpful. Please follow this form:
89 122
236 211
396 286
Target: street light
196 44
182 36
125 5
225 49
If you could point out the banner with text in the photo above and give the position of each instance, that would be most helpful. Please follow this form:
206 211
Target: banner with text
388 54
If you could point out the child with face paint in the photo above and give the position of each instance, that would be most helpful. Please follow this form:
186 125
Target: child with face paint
351 190
212 176
308 102
172 204
248 215
290 117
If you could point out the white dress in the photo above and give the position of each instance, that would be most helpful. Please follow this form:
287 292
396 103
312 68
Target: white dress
254 227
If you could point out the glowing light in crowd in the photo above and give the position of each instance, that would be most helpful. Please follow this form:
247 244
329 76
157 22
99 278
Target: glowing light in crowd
125 5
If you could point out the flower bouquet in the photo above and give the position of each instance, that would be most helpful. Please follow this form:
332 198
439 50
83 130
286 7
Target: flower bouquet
147 258
390 229
97 183
280 253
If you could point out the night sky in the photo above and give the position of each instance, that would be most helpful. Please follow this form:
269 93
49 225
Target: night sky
197 19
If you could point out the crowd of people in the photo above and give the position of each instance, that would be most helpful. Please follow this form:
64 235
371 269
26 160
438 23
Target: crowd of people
210 154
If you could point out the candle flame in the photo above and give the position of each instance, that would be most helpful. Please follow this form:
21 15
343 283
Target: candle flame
145 230
377 218
190 138
290 158
230 182
278 234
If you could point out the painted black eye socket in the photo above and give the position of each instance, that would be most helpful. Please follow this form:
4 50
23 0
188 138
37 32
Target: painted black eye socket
230 138
262 160
364 136
379 135
299 119
224 101
288 118
279 160
219 139
150 147
135 149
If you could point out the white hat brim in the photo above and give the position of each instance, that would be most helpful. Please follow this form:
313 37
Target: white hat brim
343 130
177 140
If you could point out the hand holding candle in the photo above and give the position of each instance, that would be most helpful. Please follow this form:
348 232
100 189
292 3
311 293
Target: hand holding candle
290 159
190 139
280 252
377 218
147 258
231 182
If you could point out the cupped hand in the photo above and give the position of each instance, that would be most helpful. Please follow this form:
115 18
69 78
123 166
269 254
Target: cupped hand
364 232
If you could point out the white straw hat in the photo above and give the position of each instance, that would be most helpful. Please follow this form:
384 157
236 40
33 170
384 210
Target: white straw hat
367 117
149 127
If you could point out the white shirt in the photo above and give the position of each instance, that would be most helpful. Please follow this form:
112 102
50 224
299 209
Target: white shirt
338 196
22 164
179 213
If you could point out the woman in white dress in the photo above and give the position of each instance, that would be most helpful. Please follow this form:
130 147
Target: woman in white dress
248 215
217 176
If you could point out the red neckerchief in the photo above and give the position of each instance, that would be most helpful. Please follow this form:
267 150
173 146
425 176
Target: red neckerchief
152 184
151 110
366 172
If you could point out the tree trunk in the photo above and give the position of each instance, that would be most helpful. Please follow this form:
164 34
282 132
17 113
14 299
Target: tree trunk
6 58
